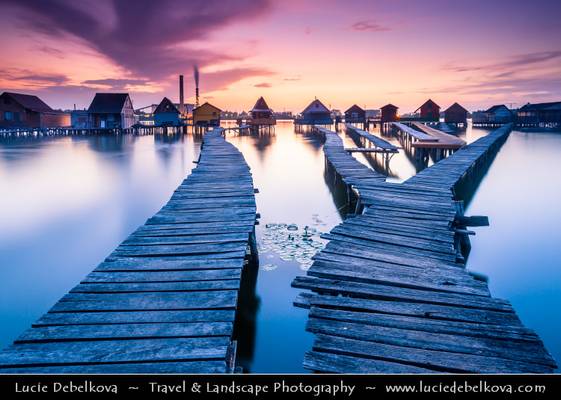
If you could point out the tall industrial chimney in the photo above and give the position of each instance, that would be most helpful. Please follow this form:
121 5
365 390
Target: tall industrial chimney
181 98
196 76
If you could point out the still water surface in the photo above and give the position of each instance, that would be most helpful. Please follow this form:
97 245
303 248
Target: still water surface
68 202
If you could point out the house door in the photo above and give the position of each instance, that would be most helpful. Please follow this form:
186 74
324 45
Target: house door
102 123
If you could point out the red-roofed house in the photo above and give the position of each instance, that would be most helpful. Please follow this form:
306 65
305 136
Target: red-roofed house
430 111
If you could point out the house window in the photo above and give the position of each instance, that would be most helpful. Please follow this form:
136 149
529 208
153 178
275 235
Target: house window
8 116
16 117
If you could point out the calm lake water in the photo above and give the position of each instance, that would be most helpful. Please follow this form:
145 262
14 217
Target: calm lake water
68 202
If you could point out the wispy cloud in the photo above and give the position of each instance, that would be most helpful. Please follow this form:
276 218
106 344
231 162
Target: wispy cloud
369 25
263 85
517 78
116 84
508 66
14 77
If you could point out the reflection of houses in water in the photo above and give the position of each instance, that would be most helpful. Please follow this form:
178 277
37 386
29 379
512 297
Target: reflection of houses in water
109 143
172 136
263 139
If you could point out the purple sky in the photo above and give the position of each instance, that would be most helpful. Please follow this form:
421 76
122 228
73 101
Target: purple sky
366 52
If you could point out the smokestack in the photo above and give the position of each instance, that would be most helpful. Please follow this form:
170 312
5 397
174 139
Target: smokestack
181 99
196 76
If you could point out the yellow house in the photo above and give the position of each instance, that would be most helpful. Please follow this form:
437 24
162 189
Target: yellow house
206 115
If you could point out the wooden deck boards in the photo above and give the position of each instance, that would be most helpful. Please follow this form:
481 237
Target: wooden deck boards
444 140
165 300
445 174
388 293
348 168
373 140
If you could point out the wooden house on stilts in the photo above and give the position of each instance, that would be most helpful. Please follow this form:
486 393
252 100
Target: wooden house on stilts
429 111
455 114
355 115
261 114
315 114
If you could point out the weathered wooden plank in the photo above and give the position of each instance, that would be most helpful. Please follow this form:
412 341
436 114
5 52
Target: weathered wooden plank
168 264
435 360
177 367
174 250
336 363
135 317
135 240
191 286
407 280
501 332
146 301
422 310
526 351
384 292
159 276
125 331
105 351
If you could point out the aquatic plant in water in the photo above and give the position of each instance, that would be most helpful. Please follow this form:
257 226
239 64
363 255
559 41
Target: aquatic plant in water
291 243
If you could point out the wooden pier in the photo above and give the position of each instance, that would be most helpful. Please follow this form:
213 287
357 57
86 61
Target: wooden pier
449 171
165 300
425 140
349 170
138 130
444 140
369 140
390 292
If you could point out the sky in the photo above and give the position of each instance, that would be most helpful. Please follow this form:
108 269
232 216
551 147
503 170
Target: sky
368 52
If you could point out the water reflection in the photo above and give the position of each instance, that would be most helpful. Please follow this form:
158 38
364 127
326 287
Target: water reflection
66 203
288 175
520 249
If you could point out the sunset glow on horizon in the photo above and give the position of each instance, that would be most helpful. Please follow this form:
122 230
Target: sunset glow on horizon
477 53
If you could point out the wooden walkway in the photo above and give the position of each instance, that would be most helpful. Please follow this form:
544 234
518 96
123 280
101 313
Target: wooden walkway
165 300
446 128
448 172
413 134
389 293
372 140
444 140
348 168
